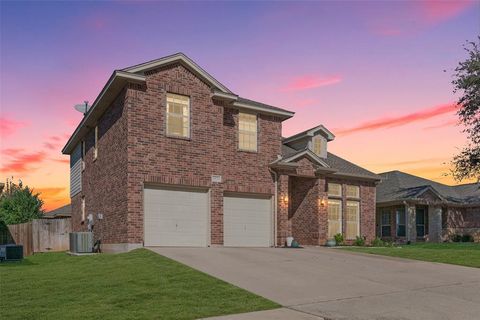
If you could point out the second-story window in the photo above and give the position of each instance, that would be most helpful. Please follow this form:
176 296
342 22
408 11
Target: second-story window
178 115
247 131
317 145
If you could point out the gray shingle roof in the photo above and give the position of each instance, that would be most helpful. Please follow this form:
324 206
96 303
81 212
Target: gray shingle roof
397 185
342 166
65 211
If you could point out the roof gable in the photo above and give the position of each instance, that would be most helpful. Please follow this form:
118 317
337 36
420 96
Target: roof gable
186 62
310 133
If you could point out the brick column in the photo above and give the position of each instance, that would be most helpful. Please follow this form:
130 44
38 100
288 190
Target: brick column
434 223
283 227
411 222
216 223
322 211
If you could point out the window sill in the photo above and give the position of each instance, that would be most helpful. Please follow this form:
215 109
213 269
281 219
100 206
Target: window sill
247 151
171 136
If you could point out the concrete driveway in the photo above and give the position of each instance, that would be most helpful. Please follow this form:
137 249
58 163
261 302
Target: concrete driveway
335 284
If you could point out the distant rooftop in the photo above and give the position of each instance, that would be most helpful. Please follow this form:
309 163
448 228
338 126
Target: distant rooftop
397 185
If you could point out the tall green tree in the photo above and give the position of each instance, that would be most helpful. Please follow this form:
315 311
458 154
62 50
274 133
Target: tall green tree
466 164
19 204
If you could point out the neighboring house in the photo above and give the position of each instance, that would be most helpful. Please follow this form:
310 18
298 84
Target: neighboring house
61 212
169 156
410 208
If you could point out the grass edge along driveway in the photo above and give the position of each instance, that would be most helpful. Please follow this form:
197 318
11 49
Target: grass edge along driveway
140 284
463 254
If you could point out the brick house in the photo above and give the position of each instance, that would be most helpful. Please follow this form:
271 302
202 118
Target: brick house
169 156
410 208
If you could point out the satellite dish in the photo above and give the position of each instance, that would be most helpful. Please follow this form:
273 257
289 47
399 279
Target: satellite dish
83 108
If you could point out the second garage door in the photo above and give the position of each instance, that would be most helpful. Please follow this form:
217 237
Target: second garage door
247 221
175 217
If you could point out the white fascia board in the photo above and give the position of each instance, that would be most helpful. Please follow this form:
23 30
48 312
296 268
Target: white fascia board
242 105
184 59
114 78
224 95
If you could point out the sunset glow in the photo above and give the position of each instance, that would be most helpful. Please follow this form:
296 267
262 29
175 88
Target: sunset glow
377 74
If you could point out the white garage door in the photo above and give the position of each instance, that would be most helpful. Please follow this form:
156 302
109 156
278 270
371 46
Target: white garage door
175 217
247 221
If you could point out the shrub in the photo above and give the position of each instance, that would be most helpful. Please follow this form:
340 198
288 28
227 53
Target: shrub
467 238
456 238
359 241
377 242
338 239
19 204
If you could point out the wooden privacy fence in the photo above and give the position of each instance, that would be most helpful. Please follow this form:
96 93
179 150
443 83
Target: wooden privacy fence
42 235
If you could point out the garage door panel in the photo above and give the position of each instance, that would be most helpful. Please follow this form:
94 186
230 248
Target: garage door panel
175 217
247 221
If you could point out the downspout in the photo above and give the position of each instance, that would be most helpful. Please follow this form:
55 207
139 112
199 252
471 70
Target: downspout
275 207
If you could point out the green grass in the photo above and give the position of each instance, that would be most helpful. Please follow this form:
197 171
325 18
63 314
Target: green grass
136 285
464 254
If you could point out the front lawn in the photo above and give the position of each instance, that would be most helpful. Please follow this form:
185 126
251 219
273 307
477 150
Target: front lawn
464 254
136 285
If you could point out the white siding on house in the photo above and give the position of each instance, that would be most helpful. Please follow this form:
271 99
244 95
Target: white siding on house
76 171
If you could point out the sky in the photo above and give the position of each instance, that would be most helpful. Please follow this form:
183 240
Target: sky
378 74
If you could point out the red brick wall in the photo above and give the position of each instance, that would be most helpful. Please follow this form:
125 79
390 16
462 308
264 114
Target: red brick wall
211 150
304 218
304 208
104 180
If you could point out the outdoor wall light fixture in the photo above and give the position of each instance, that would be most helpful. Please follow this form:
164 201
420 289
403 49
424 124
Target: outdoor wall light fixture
285 199
323 202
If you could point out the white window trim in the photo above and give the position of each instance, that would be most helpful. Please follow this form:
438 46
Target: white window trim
256 132
358 219
167 115
83 151
83 209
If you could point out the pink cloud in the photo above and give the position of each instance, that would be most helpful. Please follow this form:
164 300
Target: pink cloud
54 142
448 123
438 11
22 162
390 122
310 82
8 126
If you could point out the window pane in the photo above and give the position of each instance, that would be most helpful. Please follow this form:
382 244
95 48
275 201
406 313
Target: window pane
317 145
386 231
420 231
353 212
178 115
334 217
335 189
400 216
400 230
420 216
353 191
386 218
247 131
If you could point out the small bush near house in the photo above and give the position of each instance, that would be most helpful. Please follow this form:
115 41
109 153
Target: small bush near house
339 239
359 241
19 204
467 238
456 238
377 242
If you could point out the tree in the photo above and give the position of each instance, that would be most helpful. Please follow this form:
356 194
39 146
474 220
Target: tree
466 164
18 204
